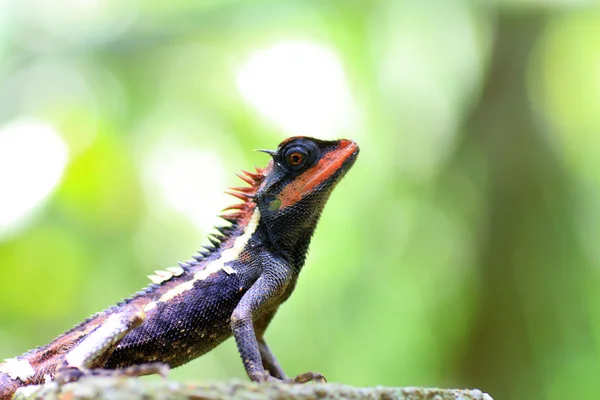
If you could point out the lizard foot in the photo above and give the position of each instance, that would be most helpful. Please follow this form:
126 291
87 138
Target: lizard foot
307 377
72 374
136 370
68 374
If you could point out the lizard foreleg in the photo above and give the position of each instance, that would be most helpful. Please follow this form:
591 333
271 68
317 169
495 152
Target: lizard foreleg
255 353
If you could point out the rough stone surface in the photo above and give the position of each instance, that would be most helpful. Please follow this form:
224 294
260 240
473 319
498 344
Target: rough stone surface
132 388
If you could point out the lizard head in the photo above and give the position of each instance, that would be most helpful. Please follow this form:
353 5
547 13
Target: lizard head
295 187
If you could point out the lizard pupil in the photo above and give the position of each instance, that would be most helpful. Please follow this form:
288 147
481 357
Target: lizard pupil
295 158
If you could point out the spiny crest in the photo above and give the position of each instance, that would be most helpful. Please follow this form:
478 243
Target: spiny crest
241 210
246 194
161 276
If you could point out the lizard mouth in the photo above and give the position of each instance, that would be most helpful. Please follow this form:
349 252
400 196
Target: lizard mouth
350 159
332 165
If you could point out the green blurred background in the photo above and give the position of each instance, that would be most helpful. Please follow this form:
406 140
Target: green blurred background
460 251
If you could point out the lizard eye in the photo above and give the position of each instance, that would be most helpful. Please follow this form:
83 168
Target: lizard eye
299 156
296 159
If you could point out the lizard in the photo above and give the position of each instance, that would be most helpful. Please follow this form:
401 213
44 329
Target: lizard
233 288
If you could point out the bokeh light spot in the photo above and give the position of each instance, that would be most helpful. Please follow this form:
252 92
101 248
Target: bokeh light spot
32 160
187 180
301 87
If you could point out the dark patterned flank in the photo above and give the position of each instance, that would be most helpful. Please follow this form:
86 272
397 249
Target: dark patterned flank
237 215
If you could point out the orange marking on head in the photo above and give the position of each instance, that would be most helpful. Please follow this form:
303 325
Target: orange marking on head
317 174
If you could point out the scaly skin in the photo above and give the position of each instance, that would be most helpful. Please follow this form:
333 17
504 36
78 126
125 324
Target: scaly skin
234 288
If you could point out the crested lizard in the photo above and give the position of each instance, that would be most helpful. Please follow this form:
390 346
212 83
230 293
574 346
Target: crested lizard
232 289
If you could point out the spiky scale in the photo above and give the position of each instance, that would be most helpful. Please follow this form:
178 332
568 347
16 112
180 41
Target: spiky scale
269 152
246 179
241 196
235 206
243 189
155 279
218 236
224 231
252 175
176 271
163 274
232 218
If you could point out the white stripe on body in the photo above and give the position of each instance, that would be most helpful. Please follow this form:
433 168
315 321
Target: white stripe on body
227 255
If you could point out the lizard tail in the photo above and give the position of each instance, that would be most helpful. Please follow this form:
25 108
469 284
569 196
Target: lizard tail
8 386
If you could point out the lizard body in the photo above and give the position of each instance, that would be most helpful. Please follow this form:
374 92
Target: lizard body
232 289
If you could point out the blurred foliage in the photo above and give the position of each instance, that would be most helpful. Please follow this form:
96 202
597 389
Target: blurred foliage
460 251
